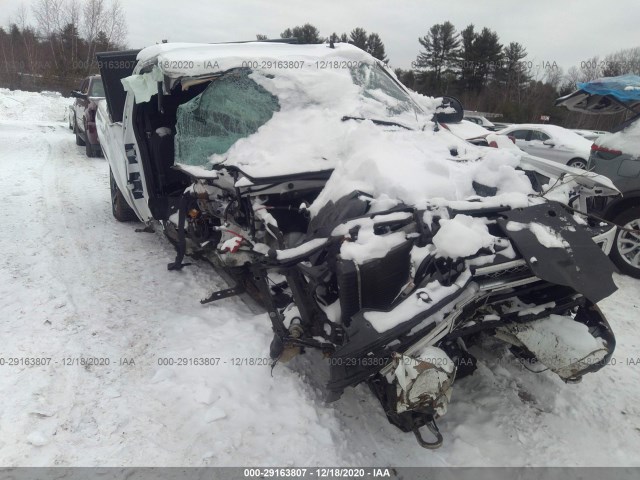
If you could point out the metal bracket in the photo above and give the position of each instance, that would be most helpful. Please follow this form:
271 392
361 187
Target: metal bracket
226 293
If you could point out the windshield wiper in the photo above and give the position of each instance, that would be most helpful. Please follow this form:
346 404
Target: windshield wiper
377 122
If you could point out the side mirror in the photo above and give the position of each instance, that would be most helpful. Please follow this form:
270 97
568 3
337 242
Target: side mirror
76 94
549 143
450 111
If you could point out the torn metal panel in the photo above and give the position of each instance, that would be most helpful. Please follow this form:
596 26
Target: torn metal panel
581 265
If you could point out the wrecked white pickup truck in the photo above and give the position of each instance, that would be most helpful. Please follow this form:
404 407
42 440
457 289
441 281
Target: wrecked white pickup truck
329 192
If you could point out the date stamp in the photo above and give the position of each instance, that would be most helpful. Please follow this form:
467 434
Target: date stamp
213 361
67 361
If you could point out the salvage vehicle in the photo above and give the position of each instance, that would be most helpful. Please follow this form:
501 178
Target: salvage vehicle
82 116
480 119
331 194
616 155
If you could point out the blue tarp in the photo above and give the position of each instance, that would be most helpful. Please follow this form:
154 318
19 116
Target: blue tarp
625 88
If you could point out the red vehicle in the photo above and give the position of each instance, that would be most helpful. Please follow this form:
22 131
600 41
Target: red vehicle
83 114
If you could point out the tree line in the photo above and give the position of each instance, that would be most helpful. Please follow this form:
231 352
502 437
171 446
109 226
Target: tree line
308 33
489 76
56 49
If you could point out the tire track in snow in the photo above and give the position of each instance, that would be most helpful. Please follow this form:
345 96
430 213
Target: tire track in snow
108 293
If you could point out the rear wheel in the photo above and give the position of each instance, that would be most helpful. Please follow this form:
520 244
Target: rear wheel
578 163
88 147
626 247
119 207
79 140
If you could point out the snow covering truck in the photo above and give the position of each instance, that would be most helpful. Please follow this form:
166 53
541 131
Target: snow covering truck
330 193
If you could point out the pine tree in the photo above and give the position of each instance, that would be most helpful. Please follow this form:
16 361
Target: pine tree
335 38
467 56
358 37
481 58
306 33
440 55
513 75
488 57
375 47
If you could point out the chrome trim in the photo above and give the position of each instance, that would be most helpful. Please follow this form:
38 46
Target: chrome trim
502 285
499 266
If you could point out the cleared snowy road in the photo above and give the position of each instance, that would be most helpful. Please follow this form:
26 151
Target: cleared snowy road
76 284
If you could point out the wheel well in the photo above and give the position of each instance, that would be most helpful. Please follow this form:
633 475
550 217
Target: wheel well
617 207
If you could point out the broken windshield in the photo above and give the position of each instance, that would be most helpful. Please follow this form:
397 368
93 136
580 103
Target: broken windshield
231 107
378 85
236 104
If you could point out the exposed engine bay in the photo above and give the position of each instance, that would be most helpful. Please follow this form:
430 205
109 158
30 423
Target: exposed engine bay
402 322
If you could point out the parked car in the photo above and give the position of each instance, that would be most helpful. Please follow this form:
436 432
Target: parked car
501 125
479 120
369 233
589 134
617 156
551 142
83 113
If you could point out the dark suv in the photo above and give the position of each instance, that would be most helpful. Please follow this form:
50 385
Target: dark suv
83 114
617 156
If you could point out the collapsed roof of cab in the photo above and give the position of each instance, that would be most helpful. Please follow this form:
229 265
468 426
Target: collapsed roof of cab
177 60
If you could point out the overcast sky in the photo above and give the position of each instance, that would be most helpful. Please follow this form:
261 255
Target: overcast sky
566 32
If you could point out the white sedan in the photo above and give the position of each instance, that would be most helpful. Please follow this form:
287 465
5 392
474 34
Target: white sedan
551 142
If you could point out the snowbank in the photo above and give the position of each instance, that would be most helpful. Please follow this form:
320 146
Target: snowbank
33 106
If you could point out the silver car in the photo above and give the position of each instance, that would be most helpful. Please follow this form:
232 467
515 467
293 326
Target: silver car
551 142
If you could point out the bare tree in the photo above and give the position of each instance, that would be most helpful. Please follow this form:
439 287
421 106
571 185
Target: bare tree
71 15
47 16
105 22
554 77
115 25
93 20
28 37
622 62
590 69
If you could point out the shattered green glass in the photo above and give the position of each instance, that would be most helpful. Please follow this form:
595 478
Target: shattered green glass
232 107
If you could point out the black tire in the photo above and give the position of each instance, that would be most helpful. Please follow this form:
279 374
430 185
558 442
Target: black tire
89 150
119 207
625 259
79 140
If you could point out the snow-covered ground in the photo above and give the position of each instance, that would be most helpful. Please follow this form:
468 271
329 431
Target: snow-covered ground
75 283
